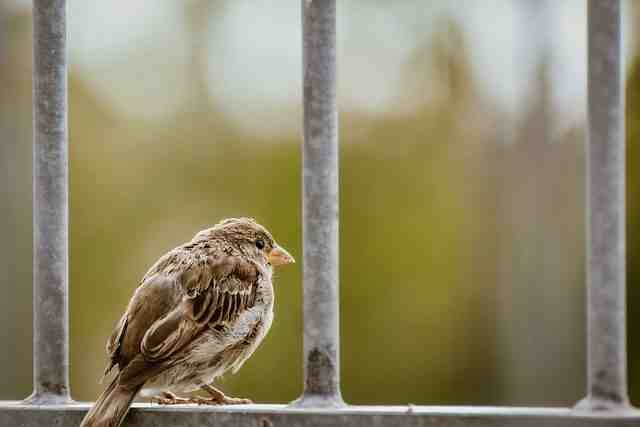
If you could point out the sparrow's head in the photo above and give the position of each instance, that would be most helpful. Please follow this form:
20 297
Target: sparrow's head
250 238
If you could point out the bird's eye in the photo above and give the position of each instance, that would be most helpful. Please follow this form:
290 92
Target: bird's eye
260 244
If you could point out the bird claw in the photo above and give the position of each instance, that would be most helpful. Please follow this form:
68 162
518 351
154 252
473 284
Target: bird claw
226 400
219 398
168 398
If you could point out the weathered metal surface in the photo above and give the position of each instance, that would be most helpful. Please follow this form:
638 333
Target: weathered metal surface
278 415
607 357
320 206
50 203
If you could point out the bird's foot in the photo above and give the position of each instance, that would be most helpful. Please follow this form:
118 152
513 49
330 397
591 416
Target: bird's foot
168 398
226 400
219 398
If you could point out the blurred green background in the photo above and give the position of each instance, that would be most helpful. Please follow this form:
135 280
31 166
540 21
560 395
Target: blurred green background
462 185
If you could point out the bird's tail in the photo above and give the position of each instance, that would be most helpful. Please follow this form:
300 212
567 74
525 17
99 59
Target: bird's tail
112 406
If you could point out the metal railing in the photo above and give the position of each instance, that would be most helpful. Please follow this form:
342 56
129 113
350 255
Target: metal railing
606 401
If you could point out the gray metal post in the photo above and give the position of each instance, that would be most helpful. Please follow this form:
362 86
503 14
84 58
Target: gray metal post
607 357
320 206
50 205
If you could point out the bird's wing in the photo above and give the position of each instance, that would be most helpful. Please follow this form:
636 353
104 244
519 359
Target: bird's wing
113 344
214 291
155 297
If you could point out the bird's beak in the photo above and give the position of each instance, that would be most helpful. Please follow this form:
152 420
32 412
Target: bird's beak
279 256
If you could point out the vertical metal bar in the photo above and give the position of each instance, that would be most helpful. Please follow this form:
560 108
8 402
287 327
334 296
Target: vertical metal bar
606 334
320 206
50 203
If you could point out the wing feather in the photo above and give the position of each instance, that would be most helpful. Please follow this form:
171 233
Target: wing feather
212 290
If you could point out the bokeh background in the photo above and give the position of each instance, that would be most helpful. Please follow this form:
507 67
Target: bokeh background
462 188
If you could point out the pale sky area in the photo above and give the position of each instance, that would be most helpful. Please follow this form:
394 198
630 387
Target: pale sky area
134 54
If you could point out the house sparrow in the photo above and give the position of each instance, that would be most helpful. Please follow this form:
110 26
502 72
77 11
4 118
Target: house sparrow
201 310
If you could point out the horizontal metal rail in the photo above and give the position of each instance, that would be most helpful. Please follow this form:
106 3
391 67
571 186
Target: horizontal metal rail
350 416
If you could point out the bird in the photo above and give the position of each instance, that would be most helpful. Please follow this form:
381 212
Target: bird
200 311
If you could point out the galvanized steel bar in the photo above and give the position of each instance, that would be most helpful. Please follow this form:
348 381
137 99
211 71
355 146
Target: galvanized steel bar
607 357
50 204
320 206
349 416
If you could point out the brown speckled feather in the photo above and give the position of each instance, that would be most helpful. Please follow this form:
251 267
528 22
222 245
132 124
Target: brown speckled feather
179 296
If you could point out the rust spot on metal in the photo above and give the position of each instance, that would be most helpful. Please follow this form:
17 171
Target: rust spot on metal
59 389
320 372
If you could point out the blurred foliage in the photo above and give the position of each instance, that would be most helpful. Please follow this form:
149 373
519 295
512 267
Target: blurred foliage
462 234
633 227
